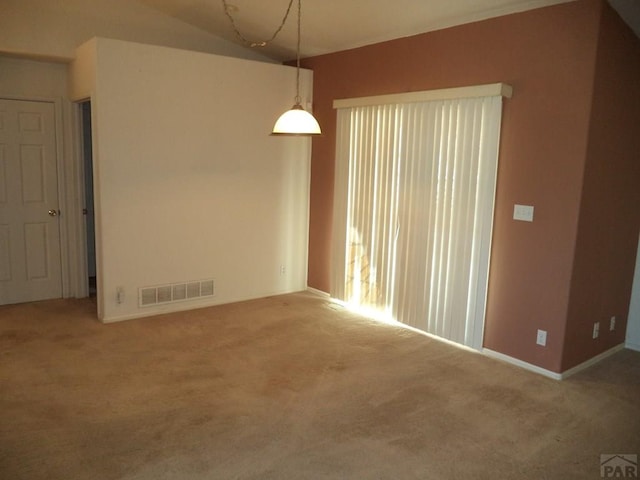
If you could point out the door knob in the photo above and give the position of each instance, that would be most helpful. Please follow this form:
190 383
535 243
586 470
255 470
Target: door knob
53 213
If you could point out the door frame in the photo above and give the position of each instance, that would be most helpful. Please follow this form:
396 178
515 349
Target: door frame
82 268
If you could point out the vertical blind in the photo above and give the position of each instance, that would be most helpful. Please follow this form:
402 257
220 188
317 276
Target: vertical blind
413 211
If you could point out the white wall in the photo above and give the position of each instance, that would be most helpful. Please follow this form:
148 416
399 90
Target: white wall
189 185
28 78
633 325
55 28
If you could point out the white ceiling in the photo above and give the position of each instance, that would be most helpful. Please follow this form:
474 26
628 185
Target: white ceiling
334 25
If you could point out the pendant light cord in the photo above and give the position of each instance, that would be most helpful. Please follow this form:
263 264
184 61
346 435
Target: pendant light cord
298 100
262 43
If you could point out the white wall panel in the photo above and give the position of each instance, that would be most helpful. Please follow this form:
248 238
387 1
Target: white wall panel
188 183
633 325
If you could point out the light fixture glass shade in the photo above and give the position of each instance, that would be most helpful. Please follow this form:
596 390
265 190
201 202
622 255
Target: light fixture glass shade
296 121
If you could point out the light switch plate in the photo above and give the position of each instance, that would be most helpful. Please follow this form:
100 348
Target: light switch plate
523 213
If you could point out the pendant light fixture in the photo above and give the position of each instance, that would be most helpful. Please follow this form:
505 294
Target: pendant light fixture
296 121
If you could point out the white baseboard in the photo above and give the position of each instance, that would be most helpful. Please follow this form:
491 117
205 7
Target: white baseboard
592 361
632 346
522 364
176 307
318 292
549 373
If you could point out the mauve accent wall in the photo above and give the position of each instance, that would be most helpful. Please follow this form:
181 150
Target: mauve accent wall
549 57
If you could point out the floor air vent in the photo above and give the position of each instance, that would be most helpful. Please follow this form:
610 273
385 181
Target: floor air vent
175 292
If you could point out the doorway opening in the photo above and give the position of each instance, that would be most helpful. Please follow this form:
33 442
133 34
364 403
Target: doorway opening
88 210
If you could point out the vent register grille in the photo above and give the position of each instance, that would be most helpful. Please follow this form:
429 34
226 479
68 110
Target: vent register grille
175 292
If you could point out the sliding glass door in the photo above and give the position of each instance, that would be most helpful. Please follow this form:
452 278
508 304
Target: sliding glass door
415 189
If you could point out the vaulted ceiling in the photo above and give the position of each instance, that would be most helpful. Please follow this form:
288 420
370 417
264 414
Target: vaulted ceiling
334 25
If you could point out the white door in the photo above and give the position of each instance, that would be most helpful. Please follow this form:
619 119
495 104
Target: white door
29 227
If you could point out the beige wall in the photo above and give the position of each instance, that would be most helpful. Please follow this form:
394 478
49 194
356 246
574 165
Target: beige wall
54 29
27 78
189 185
549 56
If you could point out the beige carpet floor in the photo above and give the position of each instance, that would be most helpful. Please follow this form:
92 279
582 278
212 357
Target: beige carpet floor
289 387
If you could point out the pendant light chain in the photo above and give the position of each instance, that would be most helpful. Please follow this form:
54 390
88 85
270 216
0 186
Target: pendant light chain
262 43
296 121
